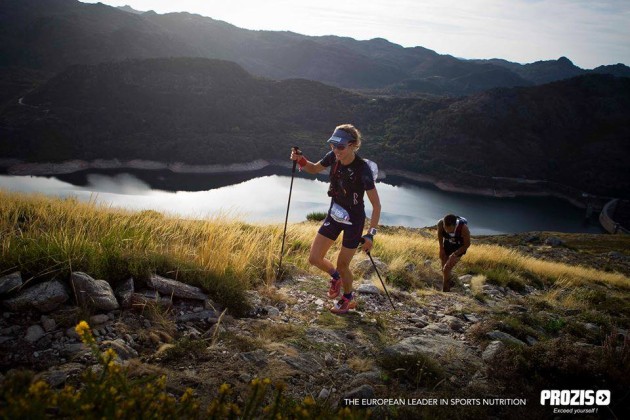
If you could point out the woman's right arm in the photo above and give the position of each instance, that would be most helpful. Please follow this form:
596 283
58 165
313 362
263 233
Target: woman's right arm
306 165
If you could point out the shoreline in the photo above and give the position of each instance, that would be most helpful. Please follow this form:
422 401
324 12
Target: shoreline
21 168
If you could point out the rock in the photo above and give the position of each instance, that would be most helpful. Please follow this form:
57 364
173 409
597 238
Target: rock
531 340
272 311
493 348
302 364
439 328
98 319
57 376
323 394
434 346
454 323
257 357
10 283
44 297
517 308
369 289
175 288
471 318
72 349
373 377
591 327
554 241
500 335
196 316
365 266
532 238
49 324
34 333
465 278
124 351
124 291
72 333
96 294
360 393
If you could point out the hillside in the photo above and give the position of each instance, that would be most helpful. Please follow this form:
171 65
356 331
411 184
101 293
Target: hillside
202 111
48 36
522 317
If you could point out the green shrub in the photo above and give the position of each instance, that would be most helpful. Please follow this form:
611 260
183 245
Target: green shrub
316 216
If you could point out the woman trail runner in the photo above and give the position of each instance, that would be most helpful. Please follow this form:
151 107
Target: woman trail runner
350 178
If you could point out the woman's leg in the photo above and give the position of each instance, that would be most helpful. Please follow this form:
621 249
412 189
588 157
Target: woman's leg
317 256
343 266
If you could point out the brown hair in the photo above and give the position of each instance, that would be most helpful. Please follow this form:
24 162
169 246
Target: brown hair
353 131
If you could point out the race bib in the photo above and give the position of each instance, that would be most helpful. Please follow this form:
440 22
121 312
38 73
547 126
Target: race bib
339 214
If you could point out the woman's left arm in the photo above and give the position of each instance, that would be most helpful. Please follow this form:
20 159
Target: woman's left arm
376 207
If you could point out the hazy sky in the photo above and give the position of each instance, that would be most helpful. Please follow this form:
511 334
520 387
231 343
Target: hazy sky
589 32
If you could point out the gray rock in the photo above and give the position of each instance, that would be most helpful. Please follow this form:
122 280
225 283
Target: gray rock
196 316
531 340
49 324
34 333
72 333
591 327
435 346
365 266
272 311
44 297
323 394
5 339
439 328
471 318
500 335
454 323
368 289
554 241
373 377
124 351
302 364
257 357
465 278
98 319
96 294
360 393
10 283
175 288
493 348
72 349
124 291
57 376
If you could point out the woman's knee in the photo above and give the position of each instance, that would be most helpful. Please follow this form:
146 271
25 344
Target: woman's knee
315 259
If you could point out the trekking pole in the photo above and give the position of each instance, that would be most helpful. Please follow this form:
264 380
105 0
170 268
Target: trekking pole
286 219
379 277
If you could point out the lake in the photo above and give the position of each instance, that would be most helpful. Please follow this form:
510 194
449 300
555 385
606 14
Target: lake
261 197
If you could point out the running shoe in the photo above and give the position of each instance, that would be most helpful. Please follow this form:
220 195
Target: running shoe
343 306
335 288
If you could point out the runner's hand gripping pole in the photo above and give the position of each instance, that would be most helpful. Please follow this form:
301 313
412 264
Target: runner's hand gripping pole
296 150
379 275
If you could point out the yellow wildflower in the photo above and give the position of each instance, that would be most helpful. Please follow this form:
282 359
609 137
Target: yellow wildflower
82 328
224 389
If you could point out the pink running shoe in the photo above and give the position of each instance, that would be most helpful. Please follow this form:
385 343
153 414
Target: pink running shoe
343 306
335 288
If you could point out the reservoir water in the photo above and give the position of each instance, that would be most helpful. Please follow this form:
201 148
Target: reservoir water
261 197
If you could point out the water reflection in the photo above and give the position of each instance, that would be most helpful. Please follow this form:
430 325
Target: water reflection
262 197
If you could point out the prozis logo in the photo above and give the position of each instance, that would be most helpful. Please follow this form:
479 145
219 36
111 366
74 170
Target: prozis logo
574 397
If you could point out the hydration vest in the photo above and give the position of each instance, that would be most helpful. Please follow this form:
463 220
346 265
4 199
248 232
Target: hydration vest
455 238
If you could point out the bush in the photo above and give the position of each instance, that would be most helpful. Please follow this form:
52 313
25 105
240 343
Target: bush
316 216
108 392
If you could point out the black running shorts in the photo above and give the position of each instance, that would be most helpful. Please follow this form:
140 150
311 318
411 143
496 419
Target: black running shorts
351 233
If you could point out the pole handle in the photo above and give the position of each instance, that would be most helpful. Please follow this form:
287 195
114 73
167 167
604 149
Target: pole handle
297 151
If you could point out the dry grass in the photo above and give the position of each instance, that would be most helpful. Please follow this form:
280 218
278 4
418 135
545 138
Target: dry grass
45 237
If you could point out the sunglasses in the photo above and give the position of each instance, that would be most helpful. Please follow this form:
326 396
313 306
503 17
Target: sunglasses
339 146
